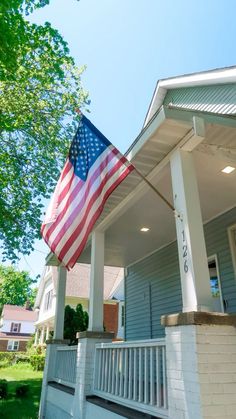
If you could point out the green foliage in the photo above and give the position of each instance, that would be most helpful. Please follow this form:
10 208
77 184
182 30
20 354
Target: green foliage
15 286
9 358
22 358
75 321
40 89
22 390
37 362
3 389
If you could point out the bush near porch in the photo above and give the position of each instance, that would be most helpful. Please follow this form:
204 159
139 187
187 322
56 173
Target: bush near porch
19 376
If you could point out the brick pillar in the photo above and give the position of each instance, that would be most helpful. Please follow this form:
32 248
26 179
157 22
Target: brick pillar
85 368
201 365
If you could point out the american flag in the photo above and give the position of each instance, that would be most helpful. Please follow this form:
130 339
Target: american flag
93 169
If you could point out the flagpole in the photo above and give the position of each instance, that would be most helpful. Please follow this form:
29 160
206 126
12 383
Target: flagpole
153 188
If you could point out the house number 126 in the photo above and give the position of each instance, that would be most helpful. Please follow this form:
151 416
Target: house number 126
185 253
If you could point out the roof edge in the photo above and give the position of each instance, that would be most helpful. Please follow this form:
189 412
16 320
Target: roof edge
211 77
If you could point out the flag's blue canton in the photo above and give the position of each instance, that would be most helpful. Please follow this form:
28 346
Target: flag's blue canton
84 150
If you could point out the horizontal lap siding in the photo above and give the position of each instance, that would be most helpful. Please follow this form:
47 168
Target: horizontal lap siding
217 242
152 286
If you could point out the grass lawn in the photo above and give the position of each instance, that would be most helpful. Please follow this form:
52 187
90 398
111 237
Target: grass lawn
21 408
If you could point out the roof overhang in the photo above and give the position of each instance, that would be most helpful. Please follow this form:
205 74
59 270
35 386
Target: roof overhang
165 130
205 78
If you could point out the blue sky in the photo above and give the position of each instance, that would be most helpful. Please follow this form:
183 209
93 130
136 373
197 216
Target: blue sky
128 45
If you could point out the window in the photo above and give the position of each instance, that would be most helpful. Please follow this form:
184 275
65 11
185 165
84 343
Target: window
232 241
122 315
215 284
15 327
48 300
13 345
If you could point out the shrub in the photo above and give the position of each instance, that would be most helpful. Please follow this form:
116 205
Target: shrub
7 356
22 358
4 364
3 389
22 390
37 362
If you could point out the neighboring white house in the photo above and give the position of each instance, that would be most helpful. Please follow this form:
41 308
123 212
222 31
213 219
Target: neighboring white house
16 327
178 360
77 292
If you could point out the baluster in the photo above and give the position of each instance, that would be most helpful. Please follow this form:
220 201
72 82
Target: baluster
146 375
117 370
103 369
113 370
109 387
140 399
121 389
99 378
152 375
163 358
130 372
135 374
157 378
126 373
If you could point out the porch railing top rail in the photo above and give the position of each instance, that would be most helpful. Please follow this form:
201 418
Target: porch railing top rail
67 348
132 344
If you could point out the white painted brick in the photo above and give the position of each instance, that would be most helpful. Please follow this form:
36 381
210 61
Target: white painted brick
215 411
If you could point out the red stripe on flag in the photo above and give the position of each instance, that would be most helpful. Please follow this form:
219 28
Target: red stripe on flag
74 258
75 233
75 193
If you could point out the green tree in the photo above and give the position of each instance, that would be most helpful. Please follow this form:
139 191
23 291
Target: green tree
15 287
76 320
40 88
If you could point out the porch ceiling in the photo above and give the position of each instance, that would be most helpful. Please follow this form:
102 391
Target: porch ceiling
134 205
124 242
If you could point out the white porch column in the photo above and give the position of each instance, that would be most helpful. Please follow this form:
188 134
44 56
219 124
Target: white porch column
47 333
60 303
96 283
42 335
195 281
36 337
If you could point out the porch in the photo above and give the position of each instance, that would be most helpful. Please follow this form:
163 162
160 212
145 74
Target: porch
130 375
190 372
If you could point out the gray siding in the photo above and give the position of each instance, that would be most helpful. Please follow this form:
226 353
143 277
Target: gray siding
152 286
218 99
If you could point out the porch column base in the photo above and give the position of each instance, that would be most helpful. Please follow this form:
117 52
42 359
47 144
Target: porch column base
85 368
201 365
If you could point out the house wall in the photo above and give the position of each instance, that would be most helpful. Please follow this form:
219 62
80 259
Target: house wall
46 314
26 327
152 286
4 342
110 313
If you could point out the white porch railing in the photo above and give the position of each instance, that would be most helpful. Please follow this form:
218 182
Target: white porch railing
133 374
65 365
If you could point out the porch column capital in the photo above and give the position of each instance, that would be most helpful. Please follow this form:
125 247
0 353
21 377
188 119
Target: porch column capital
60 303
96 283
195 281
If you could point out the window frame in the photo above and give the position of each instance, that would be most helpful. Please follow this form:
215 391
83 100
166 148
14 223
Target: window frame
17 326
209 259
232 245
12 342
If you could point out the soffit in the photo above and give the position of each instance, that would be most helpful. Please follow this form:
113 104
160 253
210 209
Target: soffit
125 244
